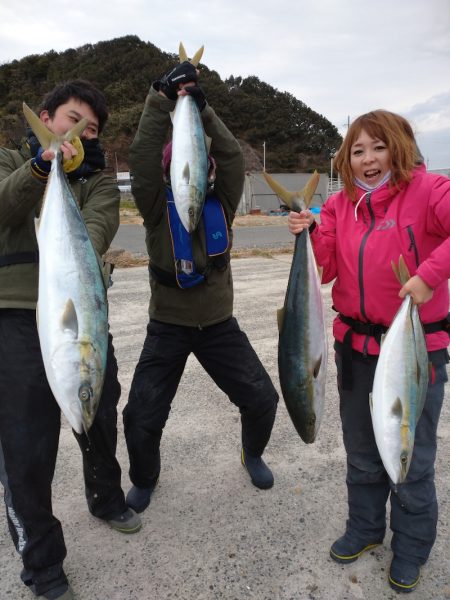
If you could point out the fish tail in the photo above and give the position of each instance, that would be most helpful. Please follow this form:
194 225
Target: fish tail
47 138
184 57
292 199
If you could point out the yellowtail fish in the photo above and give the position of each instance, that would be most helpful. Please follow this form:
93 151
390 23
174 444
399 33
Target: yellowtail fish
189 163
400 385
72 307
303 345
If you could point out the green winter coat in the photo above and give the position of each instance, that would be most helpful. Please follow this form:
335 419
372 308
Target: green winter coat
20 201
211 301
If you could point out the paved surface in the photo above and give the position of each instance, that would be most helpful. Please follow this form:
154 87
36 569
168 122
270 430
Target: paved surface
132 238
208 533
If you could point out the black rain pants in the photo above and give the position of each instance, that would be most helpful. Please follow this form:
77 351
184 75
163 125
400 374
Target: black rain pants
414 507
30 421
226 354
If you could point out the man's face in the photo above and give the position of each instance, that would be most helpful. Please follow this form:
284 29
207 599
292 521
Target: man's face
68 115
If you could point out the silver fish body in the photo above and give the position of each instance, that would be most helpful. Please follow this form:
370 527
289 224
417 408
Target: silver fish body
189 163
399 390
72 305
303 346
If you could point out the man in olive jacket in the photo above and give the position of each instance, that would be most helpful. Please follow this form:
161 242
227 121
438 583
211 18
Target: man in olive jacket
29 414
198 319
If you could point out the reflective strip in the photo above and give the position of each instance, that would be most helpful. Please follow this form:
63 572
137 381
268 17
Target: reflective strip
15 520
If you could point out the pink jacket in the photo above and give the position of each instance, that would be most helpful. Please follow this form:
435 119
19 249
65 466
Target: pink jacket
355 243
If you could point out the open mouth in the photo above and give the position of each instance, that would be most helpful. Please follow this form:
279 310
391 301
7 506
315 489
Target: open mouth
372 174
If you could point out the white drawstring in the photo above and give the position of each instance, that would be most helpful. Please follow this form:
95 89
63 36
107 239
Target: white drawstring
358 203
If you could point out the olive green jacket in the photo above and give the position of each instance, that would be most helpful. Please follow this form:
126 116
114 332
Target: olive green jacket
209 302
21 196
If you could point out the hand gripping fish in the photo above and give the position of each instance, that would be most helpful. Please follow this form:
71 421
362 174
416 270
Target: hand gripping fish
189 163
400 385
72 306
303 345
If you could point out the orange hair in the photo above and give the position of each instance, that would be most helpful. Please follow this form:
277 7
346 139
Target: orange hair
392 129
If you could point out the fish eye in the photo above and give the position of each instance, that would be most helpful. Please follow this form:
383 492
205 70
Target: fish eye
84 393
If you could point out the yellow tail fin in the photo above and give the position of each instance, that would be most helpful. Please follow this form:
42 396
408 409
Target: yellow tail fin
46 138
195 59
294 199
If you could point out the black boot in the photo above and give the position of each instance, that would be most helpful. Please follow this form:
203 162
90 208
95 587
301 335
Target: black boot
346 550
139 498
259 472
403 575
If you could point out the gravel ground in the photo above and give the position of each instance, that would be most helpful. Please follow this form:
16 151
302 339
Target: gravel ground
208 533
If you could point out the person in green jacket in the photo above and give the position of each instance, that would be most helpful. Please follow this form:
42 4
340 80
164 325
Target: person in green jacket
197 316
29 414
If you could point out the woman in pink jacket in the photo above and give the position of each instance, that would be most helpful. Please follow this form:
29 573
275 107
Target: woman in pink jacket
390 206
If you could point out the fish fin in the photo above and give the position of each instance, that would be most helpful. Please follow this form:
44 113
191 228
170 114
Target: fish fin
43 134
280 318
186 175
280 191
197 56
401 271
184 57
404 271
46 137
310 188
317 366
295 200
182 53
397 408
69 319
76 130
208 141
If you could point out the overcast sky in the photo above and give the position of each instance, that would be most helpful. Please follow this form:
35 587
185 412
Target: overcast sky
340 57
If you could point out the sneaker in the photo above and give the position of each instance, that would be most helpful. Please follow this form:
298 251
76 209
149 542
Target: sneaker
62 592
139 498
403 575
259 472
127 522
345 551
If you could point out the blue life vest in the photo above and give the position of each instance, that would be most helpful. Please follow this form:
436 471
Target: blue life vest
216 236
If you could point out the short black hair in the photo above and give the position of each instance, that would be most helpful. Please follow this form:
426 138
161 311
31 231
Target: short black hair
79 89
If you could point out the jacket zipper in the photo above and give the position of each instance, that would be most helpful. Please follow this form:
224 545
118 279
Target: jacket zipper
413 245
360 264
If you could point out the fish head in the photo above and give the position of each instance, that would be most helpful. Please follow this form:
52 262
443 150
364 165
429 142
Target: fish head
190 200
405 461
79 371
308 425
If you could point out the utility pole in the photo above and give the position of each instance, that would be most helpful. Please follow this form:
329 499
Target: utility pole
264 156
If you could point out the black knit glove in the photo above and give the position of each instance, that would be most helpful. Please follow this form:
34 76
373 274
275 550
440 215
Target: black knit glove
198 94
170 83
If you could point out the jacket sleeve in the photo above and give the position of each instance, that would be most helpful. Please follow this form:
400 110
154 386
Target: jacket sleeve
145 157
227 153
323 239
20 192
436 268
100 211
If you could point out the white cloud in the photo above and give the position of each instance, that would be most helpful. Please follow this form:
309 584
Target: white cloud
340 58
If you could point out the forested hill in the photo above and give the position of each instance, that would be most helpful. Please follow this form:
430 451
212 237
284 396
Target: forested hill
297 138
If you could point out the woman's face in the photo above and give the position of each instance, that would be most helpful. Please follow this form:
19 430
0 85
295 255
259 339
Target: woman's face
370 159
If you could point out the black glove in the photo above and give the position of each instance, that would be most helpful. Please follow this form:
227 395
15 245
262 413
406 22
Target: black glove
198 94
182 73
